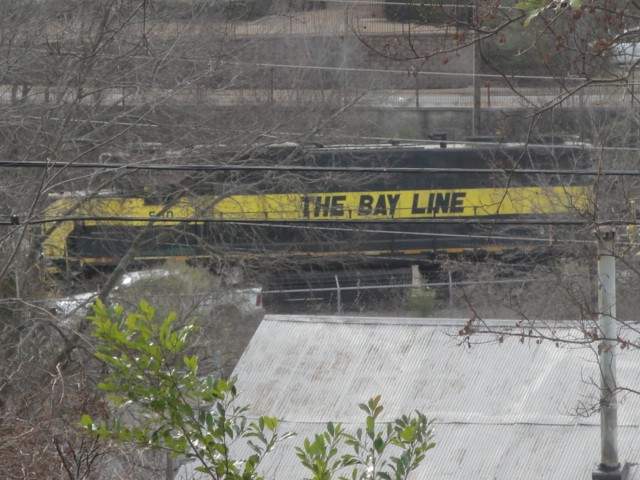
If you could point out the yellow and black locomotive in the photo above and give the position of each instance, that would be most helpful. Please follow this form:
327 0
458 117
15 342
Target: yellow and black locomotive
391 203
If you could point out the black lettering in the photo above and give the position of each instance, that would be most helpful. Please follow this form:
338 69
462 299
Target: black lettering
381 206
457 202
322 206
393 203
430 207
438 203
365 206
442 202
305 206
337 207
414 205
167 214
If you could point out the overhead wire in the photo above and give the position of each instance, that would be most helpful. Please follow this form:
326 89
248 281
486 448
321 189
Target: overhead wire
314 169
288 223
300 225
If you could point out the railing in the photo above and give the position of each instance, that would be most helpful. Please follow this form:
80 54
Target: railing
330 52
494 93
444 298
565 291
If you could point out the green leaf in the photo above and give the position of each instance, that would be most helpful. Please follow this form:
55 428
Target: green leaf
271 423
378 444
370 422
86 420
407 434
330 429
191 362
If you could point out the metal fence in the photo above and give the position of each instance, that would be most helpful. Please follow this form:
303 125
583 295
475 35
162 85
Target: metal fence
326 52
493 93
493 298
548 297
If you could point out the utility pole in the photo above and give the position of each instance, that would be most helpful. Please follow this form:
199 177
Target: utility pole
476 59
609 467
477 93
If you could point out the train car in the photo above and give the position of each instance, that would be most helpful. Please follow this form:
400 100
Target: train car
401 204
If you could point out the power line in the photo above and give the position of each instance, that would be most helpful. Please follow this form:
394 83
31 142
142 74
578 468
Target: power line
288 223
316 169
303 225
320 225
404 72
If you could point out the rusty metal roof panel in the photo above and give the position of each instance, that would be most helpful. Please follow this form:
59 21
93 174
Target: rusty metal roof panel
502 411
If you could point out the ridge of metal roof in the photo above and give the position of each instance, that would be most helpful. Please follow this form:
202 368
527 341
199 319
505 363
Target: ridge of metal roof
415 321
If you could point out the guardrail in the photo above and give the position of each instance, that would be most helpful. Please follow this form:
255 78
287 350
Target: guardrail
493 94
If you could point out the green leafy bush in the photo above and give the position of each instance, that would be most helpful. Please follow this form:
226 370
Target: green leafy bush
410 436
423 303
172 407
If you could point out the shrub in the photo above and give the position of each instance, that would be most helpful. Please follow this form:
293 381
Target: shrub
422 303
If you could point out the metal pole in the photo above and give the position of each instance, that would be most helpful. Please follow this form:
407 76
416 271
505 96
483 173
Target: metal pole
607 322
477 92
338 299
450 290
345 55
475 66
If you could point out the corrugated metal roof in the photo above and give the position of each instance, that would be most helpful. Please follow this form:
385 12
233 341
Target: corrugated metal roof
502 411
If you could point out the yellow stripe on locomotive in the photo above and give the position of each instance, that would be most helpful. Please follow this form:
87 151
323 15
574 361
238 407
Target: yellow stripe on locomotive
336 206
314 207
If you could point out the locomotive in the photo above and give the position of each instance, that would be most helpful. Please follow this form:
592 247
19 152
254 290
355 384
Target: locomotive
374 204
